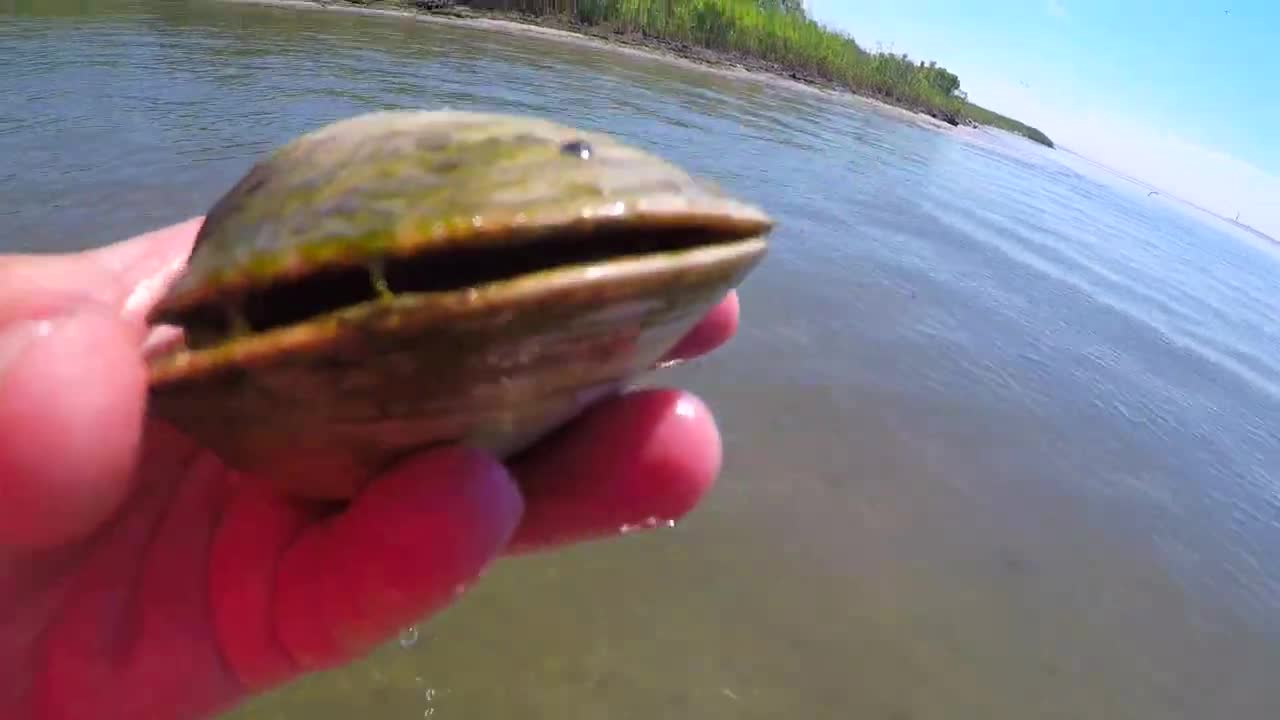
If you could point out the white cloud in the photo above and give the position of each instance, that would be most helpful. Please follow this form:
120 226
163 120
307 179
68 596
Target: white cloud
1056 8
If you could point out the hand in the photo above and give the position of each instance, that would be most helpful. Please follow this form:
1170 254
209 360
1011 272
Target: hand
142 579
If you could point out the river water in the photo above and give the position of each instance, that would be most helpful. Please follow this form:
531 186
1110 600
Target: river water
1001 431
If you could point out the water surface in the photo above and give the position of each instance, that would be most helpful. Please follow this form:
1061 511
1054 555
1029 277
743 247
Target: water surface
1001 431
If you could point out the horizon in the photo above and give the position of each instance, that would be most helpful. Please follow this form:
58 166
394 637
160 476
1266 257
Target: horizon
1180 105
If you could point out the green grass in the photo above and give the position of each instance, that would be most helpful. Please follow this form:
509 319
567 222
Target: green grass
983 116
778 33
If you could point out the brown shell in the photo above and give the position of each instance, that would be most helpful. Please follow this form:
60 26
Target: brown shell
579 298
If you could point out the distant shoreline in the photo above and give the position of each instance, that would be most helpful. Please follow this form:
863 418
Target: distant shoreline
1173 197
564 29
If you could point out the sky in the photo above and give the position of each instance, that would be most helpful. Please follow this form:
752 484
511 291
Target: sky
1182 95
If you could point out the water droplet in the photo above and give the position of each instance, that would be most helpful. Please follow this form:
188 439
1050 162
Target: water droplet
408 637
646 524
429 695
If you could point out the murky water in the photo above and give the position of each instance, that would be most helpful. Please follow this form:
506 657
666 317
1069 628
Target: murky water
1001 432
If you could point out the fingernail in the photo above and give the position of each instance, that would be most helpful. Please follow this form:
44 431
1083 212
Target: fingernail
16 338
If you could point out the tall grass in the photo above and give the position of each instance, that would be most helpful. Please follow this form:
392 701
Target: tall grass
789 40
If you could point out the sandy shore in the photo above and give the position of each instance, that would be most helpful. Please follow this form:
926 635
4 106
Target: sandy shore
687 56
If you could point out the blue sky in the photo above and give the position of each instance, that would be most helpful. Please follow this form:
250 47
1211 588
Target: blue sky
1177 93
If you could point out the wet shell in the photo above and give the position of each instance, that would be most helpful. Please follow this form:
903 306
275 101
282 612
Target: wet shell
407 278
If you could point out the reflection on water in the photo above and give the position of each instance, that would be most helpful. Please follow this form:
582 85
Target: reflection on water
1000 430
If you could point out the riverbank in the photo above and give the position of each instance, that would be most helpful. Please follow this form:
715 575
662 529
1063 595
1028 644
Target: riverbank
817 58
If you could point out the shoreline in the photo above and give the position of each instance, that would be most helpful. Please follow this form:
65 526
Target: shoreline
701 58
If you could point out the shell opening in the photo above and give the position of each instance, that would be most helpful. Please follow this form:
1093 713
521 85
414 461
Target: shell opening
446 270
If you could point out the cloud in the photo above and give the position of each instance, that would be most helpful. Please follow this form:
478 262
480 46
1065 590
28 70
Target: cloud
1056 8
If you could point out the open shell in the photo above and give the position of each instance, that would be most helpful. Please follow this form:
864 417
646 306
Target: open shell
408 278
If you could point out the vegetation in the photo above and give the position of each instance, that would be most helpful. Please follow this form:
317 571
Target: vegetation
983 116
780 35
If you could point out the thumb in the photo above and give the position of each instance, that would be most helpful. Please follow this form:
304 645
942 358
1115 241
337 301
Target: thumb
72 397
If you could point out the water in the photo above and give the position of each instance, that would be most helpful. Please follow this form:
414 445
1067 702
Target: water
1001 431
409 637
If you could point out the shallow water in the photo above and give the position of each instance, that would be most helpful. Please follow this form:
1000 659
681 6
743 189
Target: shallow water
1001 431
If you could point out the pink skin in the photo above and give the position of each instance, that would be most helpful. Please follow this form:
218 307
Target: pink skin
141 579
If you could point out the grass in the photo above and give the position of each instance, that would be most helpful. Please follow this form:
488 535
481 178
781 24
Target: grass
777 35
983 116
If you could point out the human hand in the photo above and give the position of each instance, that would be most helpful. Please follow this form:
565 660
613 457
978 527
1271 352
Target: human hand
140 578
